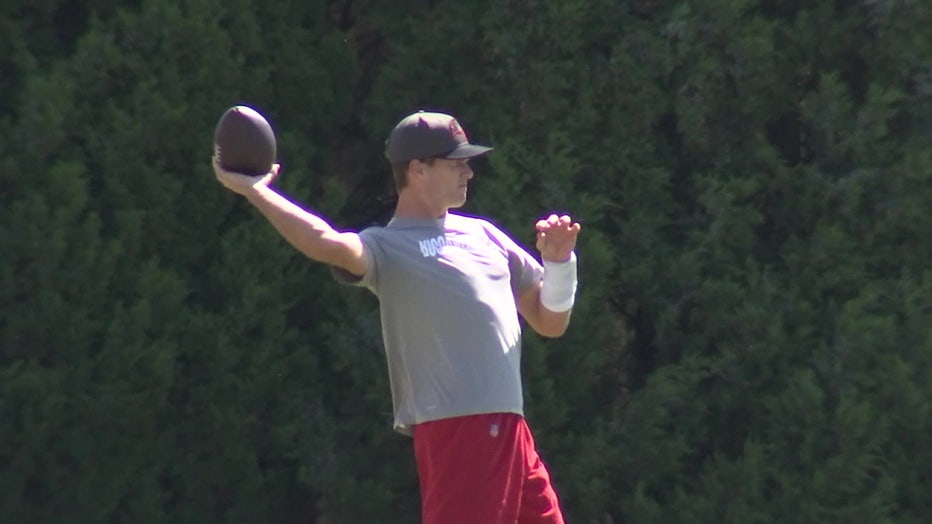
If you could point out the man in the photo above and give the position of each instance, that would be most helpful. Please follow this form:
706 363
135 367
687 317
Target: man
450 289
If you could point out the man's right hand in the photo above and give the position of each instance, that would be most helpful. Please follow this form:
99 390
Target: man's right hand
243 184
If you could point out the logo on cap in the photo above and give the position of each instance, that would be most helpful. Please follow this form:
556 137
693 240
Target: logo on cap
457 130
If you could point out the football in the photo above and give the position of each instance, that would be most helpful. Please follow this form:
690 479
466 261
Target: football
244 141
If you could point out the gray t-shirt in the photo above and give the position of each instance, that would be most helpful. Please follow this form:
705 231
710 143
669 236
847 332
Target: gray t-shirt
447 289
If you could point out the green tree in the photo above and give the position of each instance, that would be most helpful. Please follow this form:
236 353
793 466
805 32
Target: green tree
750 342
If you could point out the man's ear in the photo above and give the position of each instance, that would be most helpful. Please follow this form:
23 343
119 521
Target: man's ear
416 168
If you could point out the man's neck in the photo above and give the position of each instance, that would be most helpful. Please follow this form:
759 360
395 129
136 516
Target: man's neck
409 206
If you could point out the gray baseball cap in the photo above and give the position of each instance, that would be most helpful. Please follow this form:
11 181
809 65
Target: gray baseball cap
430 135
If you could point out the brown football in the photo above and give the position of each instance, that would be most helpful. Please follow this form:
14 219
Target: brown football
245 142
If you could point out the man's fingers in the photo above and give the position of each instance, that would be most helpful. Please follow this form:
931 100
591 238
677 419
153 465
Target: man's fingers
273 174
554 222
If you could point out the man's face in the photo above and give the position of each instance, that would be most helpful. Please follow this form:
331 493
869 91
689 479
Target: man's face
446 181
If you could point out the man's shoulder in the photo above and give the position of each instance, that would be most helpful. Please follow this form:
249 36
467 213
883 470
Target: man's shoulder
375 230
470 221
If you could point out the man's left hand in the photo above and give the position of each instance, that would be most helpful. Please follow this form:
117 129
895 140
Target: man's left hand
556 237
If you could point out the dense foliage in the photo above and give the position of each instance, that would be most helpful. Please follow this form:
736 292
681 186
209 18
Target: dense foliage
753 337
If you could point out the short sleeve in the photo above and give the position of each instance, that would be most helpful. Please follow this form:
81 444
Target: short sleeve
525 270
370 279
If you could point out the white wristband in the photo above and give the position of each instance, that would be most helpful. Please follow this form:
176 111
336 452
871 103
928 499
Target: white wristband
558 290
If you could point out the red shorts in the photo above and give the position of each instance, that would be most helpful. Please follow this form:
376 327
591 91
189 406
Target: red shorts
483 469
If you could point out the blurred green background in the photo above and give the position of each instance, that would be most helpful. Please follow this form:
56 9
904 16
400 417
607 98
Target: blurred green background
753 334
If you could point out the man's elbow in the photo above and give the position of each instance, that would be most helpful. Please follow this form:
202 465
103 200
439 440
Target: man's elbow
551 332
553 325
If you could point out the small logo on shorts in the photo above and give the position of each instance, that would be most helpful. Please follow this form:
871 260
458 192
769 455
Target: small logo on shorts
493 430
